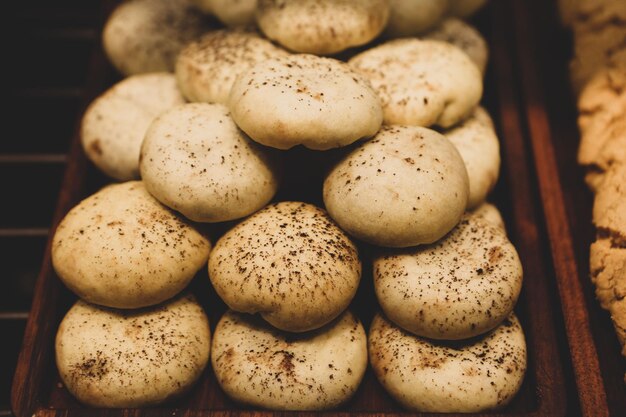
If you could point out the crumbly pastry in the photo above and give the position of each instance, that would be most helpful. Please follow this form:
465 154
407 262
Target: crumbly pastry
465 8
320 103
476 140
206 69
290 263
322 27
260 366
115 123
195 160
602 124
608 273
609 207
125 359
230 12
422 82
407 186
595 48
462 286
466 37
147 35
490 213
467 376
121 248
414 17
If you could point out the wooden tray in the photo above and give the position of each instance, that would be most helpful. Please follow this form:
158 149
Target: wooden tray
548 389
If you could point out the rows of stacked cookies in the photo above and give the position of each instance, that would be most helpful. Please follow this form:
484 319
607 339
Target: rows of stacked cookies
197 134
598 72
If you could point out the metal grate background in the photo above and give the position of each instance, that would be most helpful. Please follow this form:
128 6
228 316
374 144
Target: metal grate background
46 48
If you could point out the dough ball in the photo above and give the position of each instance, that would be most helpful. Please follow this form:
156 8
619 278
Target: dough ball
490 213
407 186
466 37
462 286
114 125
446 377
121 248
260 366
126 359
290 263
322 27
414 17
195 160
230 12
320 103
465 8
477 142
206 69
147 35
422 82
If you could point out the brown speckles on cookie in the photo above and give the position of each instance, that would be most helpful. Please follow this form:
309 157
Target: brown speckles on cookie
258 365
471 375
406 186
459 287
290 263
121 248
132 358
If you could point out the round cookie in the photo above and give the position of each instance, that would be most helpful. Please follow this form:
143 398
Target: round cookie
322 27
121 248
466 37
490 213
407 186
115 123
462 286
441 377
414 17
195 160
260 366
422 82
126 359
476 140
290 263
230 12
305 100
465 8
609 206
206 69
147 35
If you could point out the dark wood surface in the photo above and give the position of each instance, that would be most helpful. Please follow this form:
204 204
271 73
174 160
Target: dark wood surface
551 386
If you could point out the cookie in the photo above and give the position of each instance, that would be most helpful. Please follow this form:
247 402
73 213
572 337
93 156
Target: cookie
147 35
290 263
608 273
407 186
476 140
126 359
115 123
206 69
411 17
465 8
260 366
596 48
121 248
320 103
422 82
609 206
591 14
489 212
466 37
466 376
230 12
462 286
322 27
195 160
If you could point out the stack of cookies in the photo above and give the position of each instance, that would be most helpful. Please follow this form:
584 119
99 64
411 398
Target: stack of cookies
598 73
204 119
